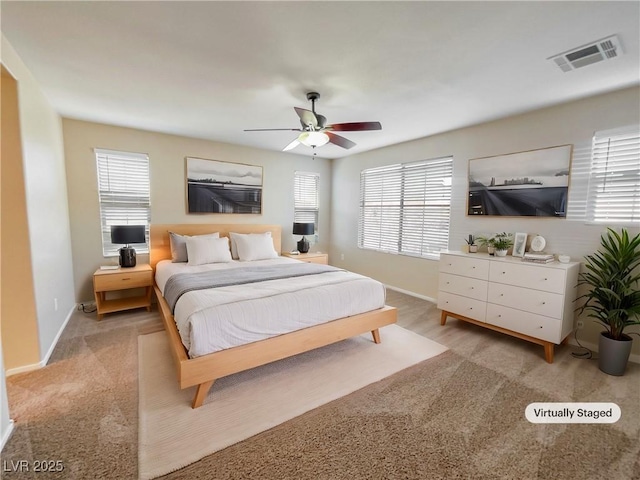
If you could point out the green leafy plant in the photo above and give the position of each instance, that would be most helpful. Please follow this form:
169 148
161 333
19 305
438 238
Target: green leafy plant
613 275
502 241
484 241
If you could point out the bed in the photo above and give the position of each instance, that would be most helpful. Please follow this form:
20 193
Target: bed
200 367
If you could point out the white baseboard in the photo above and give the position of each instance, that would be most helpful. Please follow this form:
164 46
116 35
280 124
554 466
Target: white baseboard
412 294
7 435
22 369
45 360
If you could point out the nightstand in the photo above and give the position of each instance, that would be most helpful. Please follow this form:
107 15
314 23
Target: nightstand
321 258
140 276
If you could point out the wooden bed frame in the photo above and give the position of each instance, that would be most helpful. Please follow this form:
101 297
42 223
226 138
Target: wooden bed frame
203 371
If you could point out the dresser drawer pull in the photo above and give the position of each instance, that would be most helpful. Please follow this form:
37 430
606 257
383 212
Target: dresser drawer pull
544 303
126 278
499 316
472 288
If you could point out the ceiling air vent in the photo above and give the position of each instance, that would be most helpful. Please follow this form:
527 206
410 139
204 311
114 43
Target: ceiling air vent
604 49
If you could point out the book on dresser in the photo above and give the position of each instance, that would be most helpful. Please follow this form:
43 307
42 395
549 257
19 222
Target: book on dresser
528 300
540 257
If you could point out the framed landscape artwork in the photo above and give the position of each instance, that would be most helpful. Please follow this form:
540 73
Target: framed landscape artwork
222 187
533 183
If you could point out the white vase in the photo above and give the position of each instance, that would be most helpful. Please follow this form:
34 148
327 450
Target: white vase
501 253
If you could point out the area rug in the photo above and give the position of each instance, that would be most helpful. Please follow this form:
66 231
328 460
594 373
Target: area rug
172 435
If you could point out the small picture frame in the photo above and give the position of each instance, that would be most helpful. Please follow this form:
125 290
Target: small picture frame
519 244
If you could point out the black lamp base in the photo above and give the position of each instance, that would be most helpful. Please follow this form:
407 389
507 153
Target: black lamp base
303 245
127 257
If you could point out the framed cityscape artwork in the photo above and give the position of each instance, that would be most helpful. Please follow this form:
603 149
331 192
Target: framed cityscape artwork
222 187
532 184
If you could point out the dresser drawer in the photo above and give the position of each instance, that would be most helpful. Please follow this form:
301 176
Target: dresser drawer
533 301
528 276
122 280
536 326
465 306
464 266
465 286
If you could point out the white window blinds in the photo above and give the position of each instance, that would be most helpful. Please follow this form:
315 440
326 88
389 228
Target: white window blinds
305 190
614 180
123 190
406 208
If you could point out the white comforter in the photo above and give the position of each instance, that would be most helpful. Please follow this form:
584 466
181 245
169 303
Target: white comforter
218 318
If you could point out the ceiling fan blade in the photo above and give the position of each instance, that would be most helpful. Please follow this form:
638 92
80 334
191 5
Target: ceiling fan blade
354 126
340 141
307 117
273 130
291 146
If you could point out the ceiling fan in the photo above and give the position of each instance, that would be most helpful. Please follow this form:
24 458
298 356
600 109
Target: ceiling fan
314 129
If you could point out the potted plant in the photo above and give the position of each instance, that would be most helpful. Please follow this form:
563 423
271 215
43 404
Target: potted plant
486 241
501 243
472 247
613 275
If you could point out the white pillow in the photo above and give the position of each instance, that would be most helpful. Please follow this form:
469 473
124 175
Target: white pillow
255 246
206 249
179 245
234 246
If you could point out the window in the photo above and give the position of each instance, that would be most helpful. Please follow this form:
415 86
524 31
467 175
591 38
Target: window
123 190
614 180
305 190
406 208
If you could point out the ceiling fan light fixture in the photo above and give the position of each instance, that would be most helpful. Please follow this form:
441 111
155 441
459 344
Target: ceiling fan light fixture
313 139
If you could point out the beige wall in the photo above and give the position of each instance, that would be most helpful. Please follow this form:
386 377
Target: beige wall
571 123
18 306
168 196
46 205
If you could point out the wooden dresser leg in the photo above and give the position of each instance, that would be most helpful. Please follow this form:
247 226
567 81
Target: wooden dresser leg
443 318
548 352
201 394
376 335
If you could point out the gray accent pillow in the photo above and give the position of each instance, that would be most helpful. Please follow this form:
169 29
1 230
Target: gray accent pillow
179 246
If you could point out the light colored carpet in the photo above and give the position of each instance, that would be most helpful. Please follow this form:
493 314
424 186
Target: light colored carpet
172 435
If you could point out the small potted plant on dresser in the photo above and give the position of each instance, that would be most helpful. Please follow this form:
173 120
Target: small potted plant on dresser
486 241
471 245
613 277
501 243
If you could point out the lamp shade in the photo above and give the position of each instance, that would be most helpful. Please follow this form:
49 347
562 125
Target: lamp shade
303 228
313 139
127 234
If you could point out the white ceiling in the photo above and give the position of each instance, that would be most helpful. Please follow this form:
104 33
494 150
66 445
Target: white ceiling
211 69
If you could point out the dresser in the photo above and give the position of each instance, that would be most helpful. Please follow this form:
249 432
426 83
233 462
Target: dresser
534 302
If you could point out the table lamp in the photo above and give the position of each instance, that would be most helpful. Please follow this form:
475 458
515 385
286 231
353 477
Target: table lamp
303 229
127 234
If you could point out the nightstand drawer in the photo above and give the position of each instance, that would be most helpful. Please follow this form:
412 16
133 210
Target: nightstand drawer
319 259
122 280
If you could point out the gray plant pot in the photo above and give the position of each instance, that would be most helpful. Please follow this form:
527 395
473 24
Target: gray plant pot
613 355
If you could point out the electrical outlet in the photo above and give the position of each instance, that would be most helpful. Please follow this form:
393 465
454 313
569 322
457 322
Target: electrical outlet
342 256
580 324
